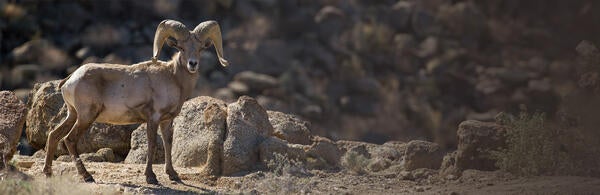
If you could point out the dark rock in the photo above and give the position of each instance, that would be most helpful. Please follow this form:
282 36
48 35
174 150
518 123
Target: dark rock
104 36
424 23
255 81
475 140
331 21
24 75
464 19
42 52
422 154
399 17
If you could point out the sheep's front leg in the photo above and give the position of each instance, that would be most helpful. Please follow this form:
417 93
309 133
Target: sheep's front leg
166 129
151 133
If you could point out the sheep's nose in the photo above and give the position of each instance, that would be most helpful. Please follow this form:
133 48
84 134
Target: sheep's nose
193 63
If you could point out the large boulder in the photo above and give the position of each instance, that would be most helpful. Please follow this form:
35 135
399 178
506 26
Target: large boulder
47 110
247 126
12 118
290 127
422 154
198 133
139 147
475 141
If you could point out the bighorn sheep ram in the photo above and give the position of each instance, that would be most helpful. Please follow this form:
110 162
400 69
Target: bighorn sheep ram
150 92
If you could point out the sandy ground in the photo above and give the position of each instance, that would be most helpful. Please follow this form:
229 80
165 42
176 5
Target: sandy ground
119 178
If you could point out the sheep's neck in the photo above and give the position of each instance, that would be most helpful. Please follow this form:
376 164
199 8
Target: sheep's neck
186 79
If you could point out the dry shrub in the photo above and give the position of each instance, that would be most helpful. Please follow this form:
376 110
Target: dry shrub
287 176
355 162
53 185
532 147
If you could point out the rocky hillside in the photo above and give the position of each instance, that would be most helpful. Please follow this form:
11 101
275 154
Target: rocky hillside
358 70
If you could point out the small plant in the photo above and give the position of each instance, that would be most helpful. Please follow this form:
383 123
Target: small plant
15 186
281 165
532 147
288 176
355 162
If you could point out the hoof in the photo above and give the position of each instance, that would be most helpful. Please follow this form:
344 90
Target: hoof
89 179
151 180
174 178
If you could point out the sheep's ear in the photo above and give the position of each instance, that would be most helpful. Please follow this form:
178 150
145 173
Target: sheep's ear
173 43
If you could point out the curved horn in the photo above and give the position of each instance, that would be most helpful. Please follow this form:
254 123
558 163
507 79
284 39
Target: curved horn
211 30
166 29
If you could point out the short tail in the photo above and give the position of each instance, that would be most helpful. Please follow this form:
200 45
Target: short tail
64 80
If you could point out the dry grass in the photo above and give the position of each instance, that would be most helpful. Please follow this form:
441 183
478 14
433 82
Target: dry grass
355 162
286 176
533 147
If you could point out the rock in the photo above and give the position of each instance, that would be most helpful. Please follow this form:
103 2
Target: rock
464 19
422 154
448 168
238 88
139 147
103 36
290 127
255 81
12 119
379 164
22 94
365 105
199 131
417 174
42 52
66 158
91 157
47 110
399 18
475 140
272 145
107 155
247 125
331 21
39 154
225 94
271 103
24 75
428 47
84 52
424 23
323 148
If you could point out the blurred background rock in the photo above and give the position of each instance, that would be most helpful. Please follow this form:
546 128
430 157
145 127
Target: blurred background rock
374 70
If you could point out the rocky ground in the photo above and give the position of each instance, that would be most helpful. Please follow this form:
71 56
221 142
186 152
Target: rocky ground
357 70
119 178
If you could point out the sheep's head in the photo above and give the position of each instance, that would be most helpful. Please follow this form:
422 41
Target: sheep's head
189 43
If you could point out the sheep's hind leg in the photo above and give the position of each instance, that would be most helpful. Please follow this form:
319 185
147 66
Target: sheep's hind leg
166 129
55 135
151 128
71 139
